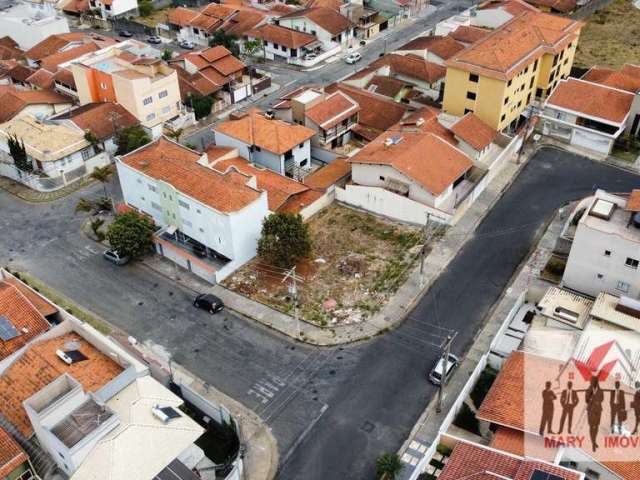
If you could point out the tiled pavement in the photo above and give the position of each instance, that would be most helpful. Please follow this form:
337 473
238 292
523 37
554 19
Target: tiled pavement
25 193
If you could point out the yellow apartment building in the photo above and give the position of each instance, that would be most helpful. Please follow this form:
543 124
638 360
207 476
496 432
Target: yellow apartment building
500 75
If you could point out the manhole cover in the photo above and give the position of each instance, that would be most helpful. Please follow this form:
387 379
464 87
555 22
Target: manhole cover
367 427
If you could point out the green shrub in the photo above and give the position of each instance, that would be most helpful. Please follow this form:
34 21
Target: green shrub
467 420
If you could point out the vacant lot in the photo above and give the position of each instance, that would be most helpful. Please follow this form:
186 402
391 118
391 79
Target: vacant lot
611 37
357 262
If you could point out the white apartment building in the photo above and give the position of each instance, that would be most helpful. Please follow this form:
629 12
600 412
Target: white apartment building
30 22
210 221
605 253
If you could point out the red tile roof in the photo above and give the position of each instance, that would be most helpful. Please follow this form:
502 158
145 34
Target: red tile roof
13 101
561 6
513 441
592 99
514 7
51 62
469 34
626 79
328 175
11 454
23 315
633 202
9 49
387 86
333 110
412 66
43 306
41 78
181 16
297 203
102 119
177 165
273 135
326 18
39 365
53 44
443 47
474 131
282 36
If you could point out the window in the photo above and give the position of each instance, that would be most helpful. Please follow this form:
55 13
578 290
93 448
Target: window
506 100
151 116
139 180
107 7
257 148
103 86
538 92
163 94
467 110
535 65
147 100
623 287
166 109
201 230
509 83
184 204
471 95
382 178
86 154
155 206
198 210
529 98
187 223
151 187
303 162
607 253
600 276
473 78
504 115
632 263
531 82
519 103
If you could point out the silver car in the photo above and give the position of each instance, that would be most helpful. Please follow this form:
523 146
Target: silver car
435 376
114 257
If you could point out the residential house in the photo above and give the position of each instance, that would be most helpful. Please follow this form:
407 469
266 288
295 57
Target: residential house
145 86
425 76
14 462
212 71
475 138
604 231
336 173
196 207
56 49
28 22
280 43
588 115
280 146
10 50
103 120
14 73
95 409
198 26
326 24
41 104
61 153
111 9
20 320
434 48
468 34
499 76
367 20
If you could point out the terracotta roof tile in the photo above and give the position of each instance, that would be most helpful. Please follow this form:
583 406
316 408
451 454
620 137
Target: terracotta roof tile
333 110
228 65
273 135
53 44
13 101
11 454
474 131
244 21
19 72
65 76
39 365
278 187
561 6
626 79
51 62
513 441
592 99
43 306
504 52
443 47
172 163
469 34
328 175
298 202
42 79
326 18
23 315
387 86
282 36
514 7
633 203
76 6
102 119
9 49
412 66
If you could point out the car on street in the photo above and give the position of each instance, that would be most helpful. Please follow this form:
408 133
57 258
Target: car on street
125 34
435 376
208 302
353 58
154 39
186 45
114 257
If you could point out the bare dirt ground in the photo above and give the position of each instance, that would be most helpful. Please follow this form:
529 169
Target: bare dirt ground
357 262
611 37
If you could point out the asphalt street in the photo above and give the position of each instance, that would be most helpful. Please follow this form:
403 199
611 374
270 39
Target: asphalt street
375 391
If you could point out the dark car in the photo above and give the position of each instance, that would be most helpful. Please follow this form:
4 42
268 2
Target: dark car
208 302
125 34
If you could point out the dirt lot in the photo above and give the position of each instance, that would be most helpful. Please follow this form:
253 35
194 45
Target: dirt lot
357 262
611 37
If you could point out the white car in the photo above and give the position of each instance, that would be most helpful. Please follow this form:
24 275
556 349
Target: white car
187 45
435 376
353 58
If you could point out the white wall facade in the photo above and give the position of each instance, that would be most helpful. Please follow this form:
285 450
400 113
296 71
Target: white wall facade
22 25
306 25
116 8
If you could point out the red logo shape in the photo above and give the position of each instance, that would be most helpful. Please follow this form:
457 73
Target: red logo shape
592 366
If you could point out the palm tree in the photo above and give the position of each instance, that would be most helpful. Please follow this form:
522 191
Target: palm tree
175 133
388 466
102 174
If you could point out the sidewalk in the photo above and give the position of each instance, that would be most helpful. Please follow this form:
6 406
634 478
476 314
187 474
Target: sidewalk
28 195
392 314
427 428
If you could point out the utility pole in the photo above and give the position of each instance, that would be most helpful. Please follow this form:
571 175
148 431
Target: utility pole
423 253
445 368
293 290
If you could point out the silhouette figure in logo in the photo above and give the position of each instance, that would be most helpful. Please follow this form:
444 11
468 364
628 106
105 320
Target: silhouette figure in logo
548 397
635 404
594 397
618 408
568 401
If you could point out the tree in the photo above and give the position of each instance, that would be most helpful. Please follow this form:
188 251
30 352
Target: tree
130 138
227 40
90 137
145 7
175 133
19 154
388 466
201 106
251 47
131 235
103 175
284 240
167 54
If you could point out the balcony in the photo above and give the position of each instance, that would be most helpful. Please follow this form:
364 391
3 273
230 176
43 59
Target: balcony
335 132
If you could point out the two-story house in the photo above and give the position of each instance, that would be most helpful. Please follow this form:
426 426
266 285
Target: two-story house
110 9
280 146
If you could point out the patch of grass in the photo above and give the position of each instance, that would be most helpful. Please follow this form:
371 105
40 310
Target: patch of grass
63 302
611 37
442 449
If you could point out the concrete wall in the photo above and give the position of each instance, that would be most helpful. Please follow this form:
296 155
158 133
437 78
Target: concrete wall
29 32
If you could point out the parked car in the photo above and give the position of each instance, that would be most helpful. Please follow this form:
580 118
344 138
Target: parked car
353 58
208 302
435 376
125 34
154 39
186 45
114 257
310 56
